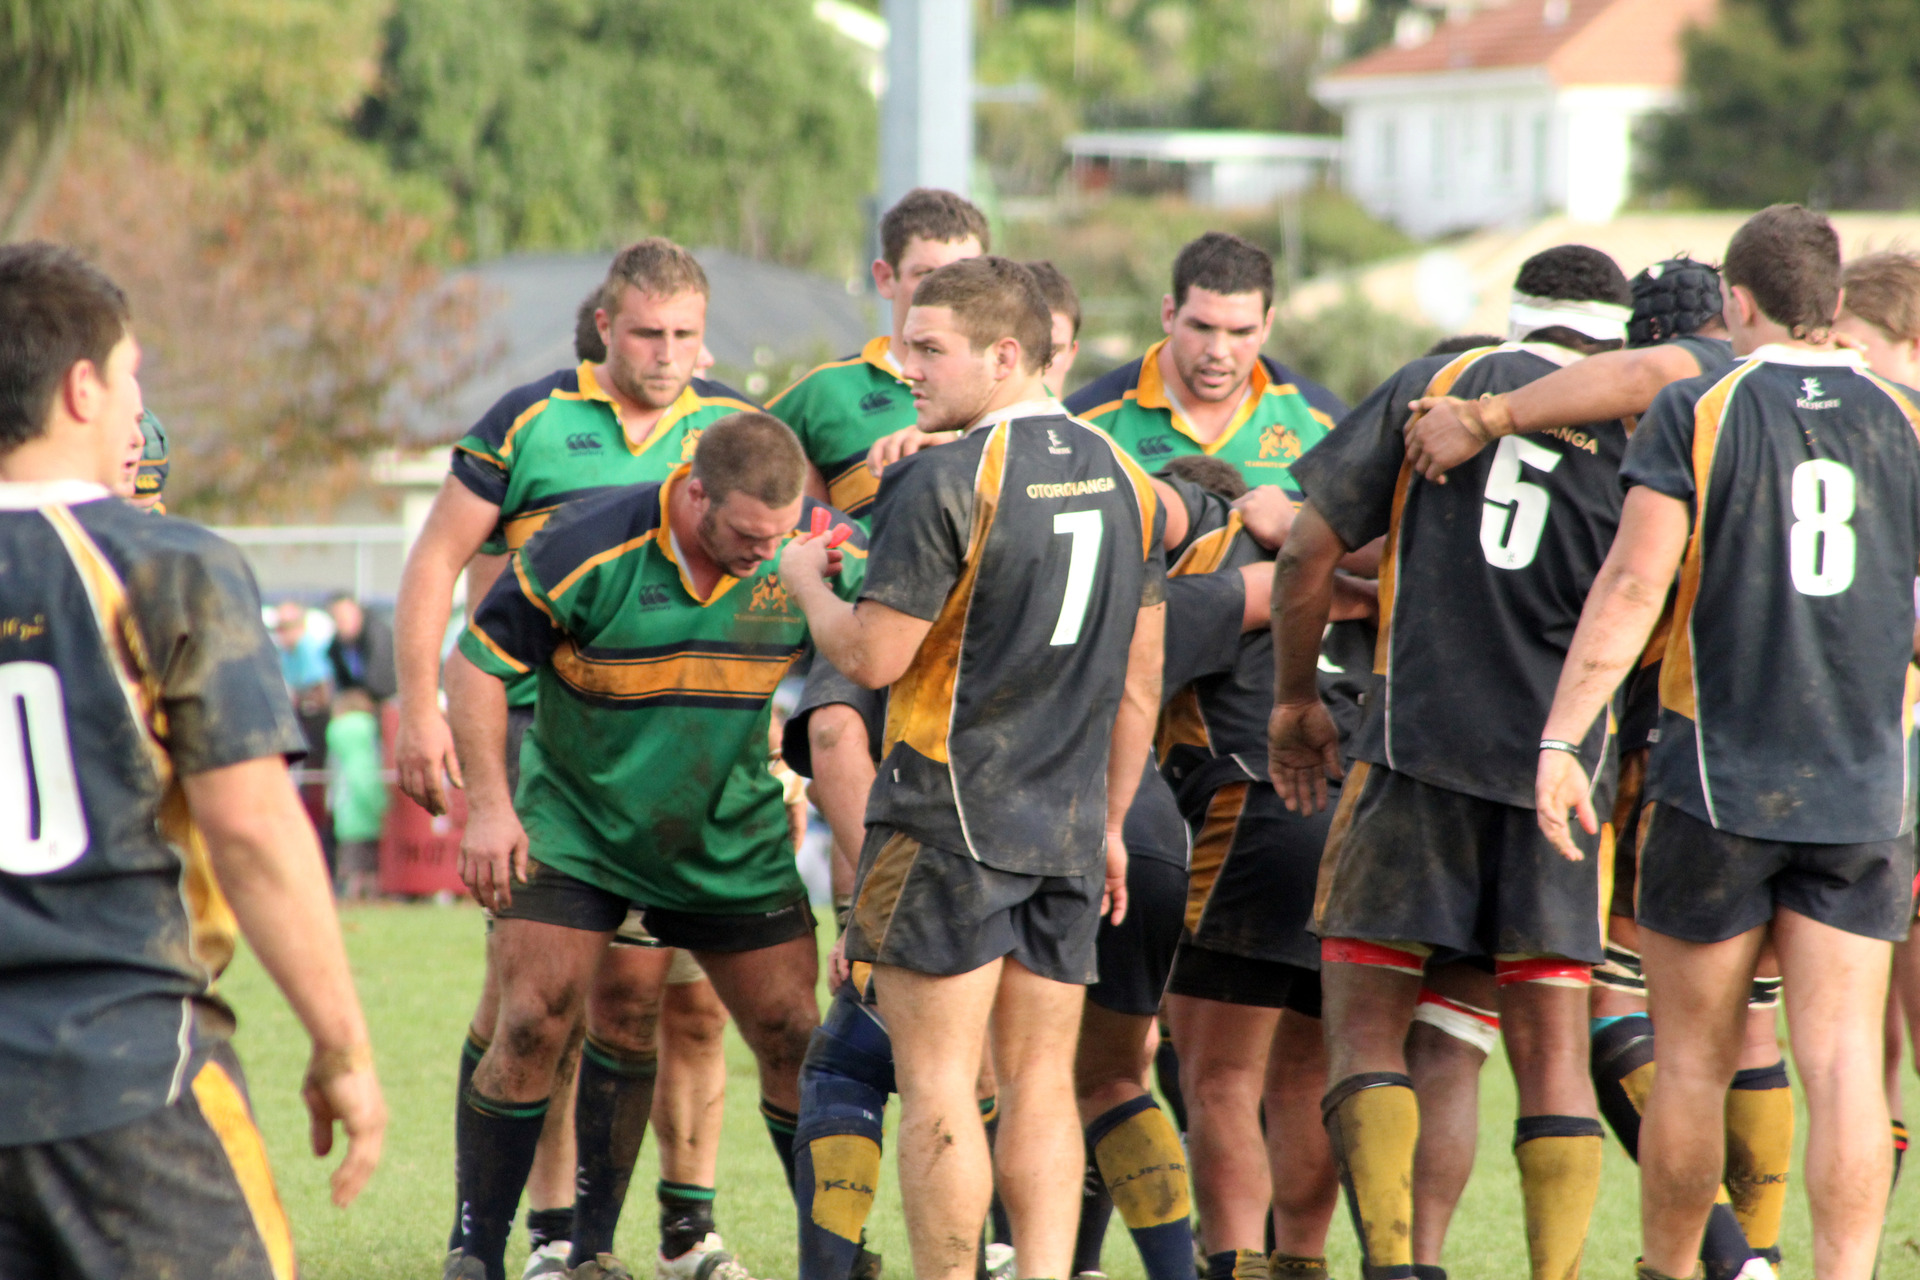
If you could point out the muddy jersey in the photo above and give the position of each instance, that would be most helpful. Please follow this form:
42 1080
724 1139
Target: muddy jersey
645 771
1282 417
1030 544
1482 579
1219 681
1786 690
131 655
840 410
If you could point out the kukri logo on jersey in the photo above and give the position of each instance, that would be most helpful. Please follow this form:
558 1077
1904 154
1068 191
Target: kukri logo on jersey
1810 390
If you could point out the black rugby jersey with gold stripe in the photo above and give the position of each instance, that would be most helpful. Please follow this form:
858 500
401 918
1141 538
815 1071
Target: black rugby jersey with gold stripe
132 655
1482 579
646 768
1031 544
1786 688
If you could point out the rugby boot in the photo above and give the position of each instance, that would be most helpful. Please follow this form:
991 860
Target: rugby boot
461 1265
550 1259
601 1266
708 1260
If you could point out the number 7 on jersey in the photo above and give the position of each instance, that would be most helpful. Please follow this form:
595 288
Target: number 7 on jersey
1083 556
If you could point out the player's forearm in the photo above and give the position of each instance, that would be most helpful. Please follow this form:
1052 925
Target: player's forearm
1613 384
419 625
842 776
1302 600
1354 599
477 714
1133 723
269 865
1620 613
833 624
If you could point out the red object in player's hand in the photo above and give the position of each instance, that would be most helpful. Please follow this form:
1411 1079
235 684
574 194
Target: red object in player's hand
839 535
819 522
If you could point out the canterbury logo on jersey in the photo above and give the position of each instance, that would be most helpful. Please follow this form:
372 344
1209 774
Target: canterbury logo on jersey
651 597
875 401
581 440
1155 446
1810 390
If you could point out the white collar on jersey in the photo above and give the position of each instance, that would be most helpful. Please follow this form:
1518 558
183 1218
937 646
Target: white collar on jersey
1781 353
1043 407
1601 321
29 495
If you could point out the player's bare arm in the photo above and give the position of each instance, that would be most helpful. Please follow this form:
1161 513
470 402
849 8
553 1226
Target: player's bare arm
1303 747
1132 738
423 750
842 775
871 644
268 863
1445 431
1621 612
493 850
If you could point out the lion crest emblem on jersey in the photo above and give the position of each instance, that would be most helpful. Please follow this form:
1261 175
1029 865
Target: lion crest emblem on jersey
688 443
1279 443
770 597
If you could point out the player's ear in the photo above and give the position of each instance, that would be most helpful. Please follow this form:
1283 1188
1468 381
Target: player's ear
883 278
82 390
1167 311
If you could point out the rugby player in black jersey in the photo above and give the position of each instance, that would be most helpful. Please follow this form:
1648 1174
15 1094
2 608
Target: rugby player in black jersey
146 819
1786 493
985 871
1434 849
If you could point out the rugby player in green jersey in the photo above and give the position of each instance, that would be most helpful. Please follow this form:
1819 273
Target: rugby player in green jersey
840 408
653 622
630 415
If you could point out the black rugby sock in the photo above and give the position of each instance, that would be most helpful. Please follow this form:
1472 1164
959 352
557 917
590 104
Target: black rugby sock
610 1114
545 1226
686 1216
495 1141
1166 1074
472 1049
1096 1211
781 1124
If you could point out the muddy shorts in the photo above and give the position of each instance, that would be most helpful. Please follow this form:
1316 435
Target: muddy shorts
1410 862
1702 885
182 1191
1230 979
1136 955
1250 892
551 896
942 913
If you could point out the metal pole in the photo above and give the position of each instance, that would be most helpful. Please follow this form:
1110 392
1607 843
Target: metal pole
926 120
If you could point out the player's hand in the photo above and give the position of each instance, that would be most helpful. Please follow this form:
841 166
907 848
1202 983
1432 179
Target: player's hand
904 443
424 758
340 1087
1303 751
1443 433
838 970
815 553
1268 513
1113 897
1560 785
493 854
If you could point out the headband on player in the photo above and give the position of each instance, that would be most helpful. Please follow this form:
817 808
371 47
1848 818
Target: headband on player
1601 321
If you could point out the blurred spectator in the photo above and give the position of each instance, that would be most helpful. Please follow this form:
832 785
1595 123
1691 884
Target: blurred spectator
303 657
356 794
361 655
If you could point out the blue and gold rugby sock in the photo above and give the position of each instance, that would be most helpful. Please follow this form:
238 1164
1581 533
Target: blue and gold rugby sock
1140 1160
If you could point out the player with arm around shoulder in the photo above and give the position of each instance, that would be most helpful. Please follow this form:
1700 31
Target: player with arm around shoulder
147 727
985 868
1786 494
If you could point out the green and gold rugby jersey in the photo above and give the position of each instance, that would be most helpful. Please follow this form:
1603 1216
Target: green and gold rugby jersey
839 410
1282 417
646 769
559 439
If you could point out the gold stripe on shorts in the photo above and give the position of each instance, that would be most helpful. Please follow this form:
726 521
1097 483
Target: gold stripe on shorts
880 891
1212 847
1337 835
225 1108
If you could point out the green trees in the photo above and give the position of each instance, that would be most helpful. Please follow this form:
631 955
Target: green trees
1811 100
54 54
579 123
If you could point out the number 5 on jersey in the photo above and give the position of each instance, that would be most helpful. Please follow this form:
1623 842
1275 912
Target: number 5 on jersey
42 828
1083 558
1515 512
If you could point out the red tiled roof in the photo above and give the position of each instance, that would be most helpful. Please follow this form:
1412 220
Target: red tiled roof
1595 42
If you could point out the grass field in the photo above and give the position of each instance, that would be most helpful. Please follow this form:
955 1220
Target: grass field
419 972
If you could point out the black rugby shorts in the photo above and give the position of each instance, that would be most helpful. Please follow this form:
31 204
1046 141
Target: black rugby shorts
551 896
1250 890
1136 955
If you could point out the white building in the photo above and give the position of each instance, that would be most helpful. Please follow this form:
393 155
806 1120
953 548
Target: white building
1504 114
1219 168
